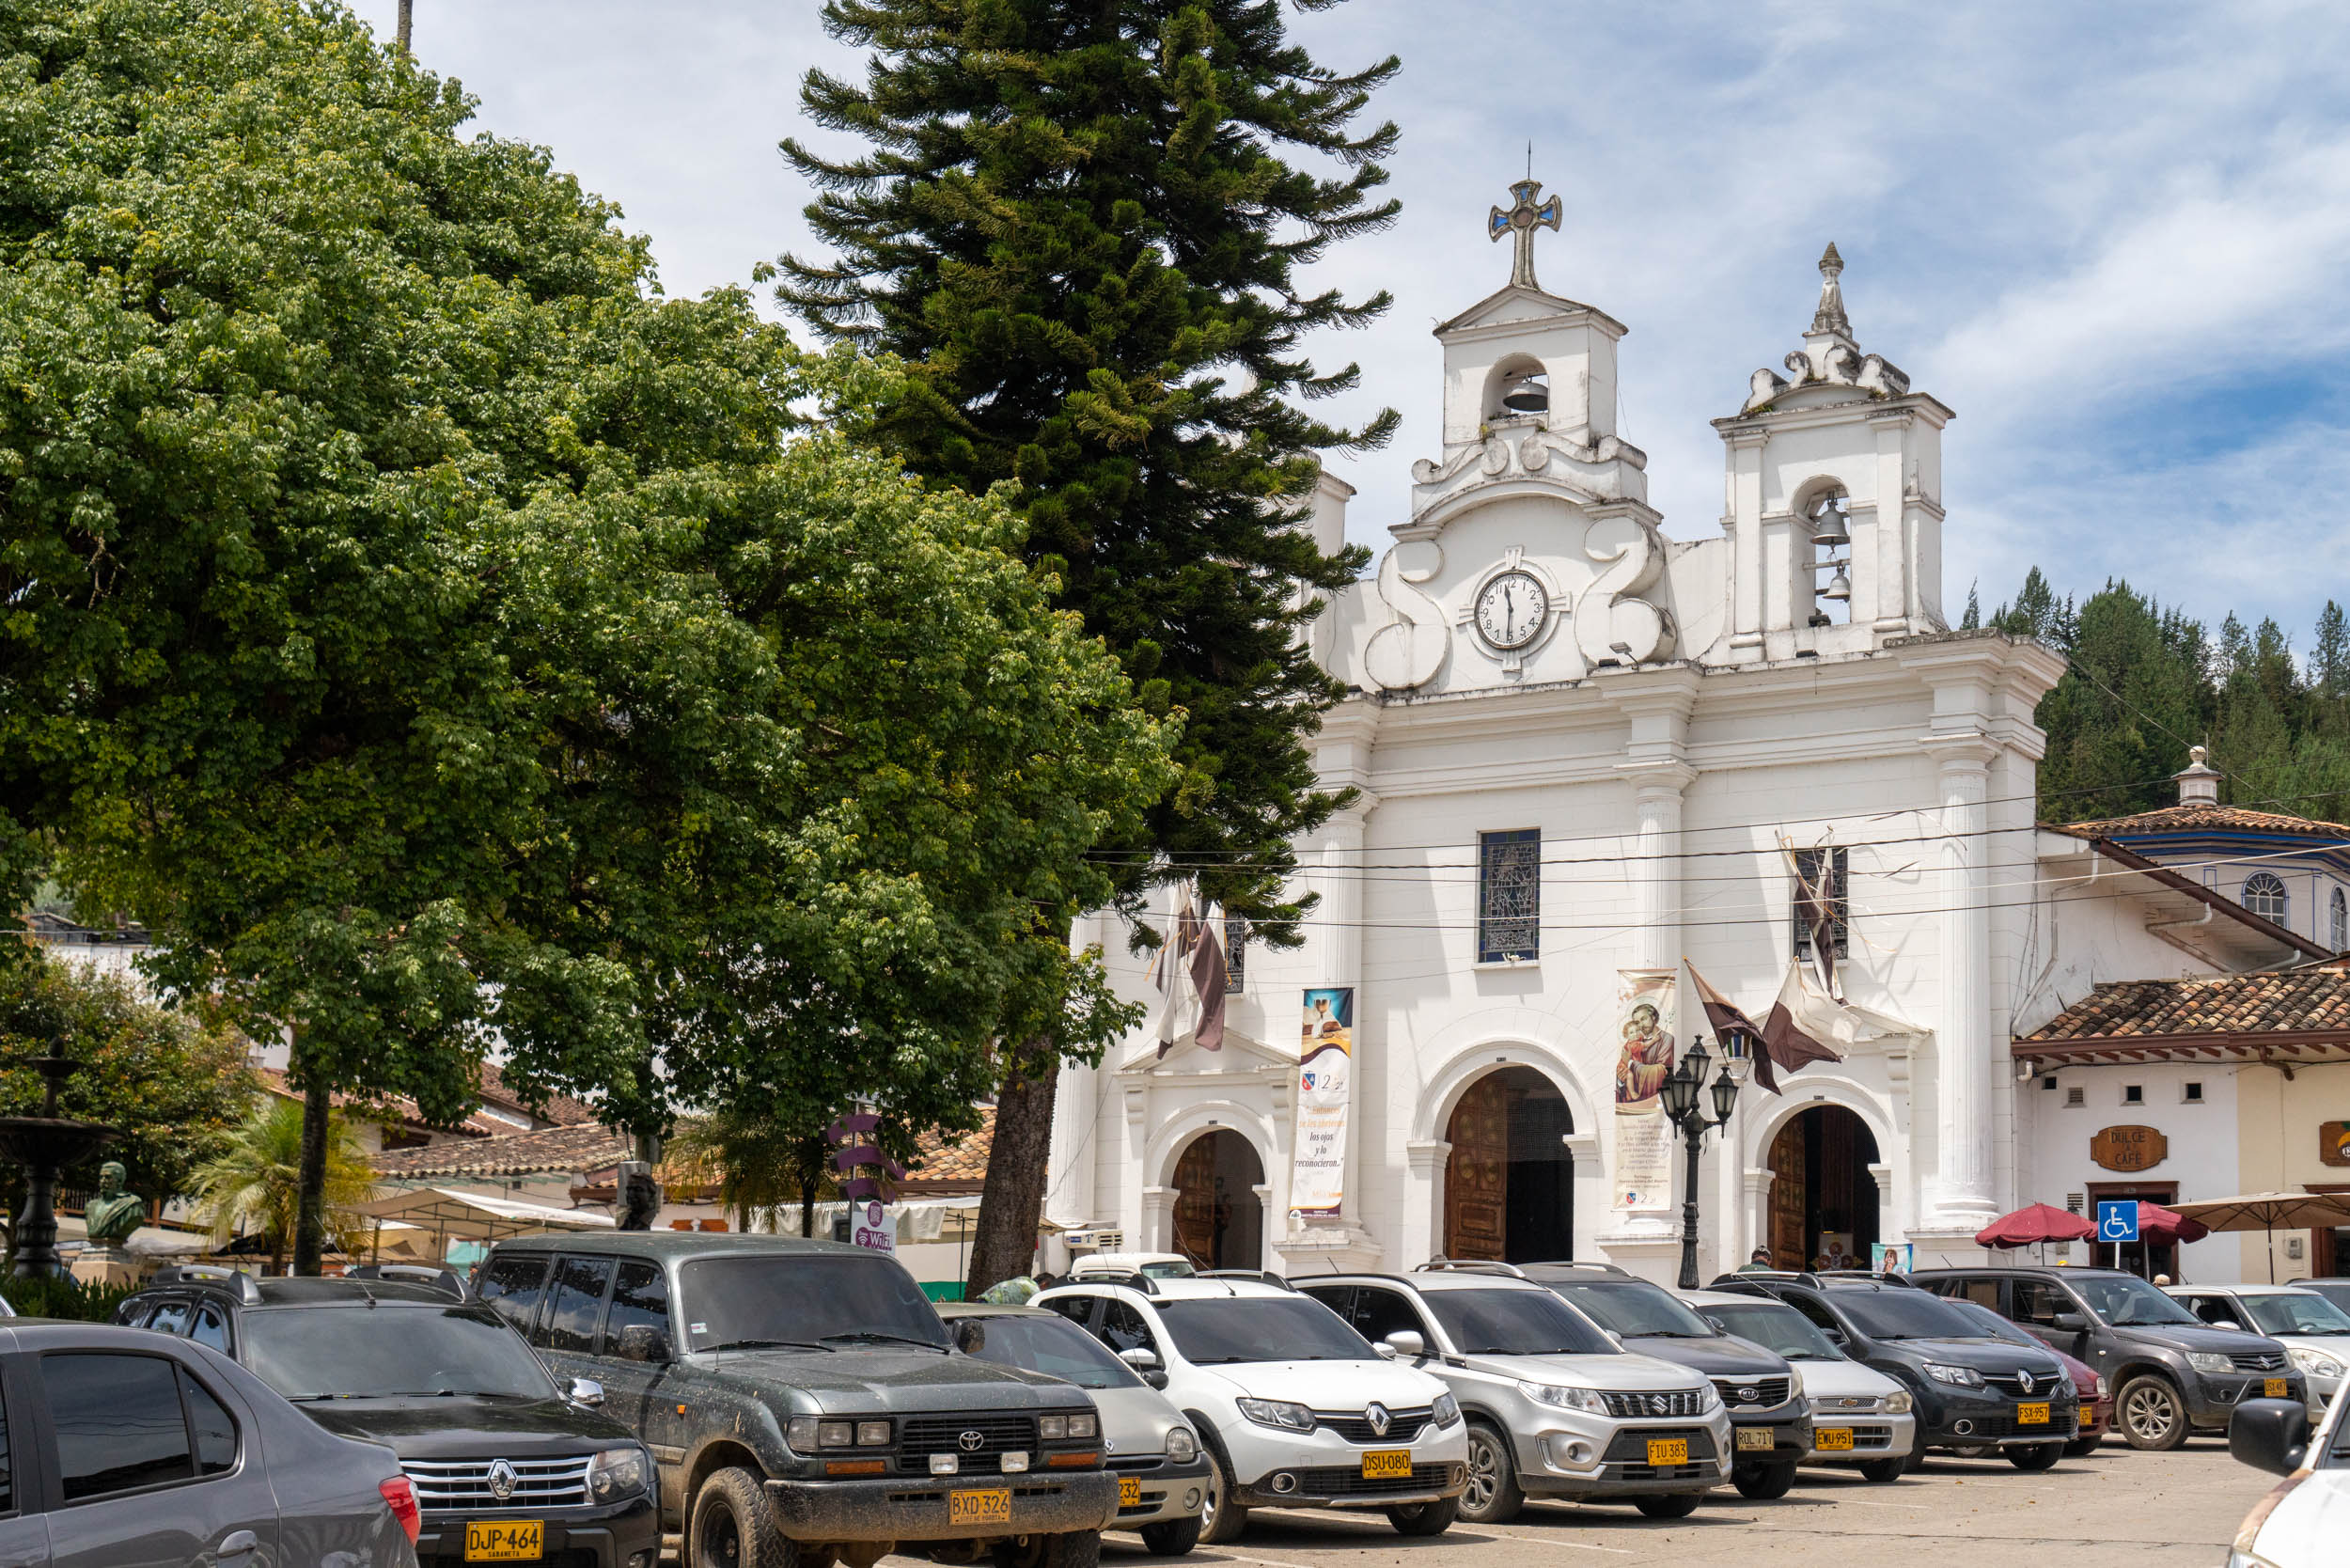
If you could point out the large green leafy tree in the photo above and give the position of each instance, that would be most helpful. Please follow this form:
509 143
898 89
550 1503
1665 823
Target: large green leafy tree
1080 228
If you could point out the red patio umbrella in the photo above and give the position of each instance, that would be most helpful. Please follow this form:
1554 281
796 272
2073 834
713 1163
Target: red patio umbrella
2038 1223
2158 1224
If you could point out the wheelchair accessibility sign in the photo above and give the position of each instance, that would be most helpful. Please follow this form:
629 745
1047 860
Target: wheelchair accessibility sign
2116 1220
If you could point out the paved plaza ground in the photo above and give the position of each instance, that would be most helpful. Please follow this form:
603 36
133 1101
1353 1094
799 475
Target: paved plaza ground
2118 1507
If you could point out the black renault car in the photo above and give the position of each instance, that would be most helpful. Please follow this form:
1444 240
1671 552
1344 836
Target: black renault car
1971 1392
1768 1412
507 1467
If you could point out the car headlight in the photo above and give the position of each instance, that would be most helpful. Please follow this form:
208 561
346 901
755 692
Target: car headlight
1181 1447
806 1433
2209 1361
2065 1389
1565 1397
1794 1383
2316 1363
1278 1412
1898 1402
617 1472
1964 1377
1084 1425
1709 1399
1446 1410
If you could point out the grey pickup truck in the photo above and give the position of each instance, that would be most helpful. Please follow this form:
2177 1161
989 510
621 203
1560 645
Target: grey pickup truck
806 1405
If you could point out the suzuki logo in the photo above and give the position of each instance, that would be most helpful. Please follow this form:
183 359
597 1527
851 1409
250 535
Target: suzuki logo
501 1480
1379 1419
2023 1381
971 1442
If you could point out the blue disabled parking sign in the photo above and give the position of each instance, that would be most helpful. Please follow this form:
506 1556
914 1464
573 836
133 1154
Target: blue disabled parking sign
2116 1220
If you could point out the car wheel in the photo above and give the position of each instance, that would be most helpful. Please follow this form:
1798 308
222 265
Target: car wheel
1975 1450
2040 1456
2151 1413
1764 1482
1493 1495
734 1524
1076 1548
1428 1518
1668 1505
1220 1519
1170 1537
2081 1448
1886 1469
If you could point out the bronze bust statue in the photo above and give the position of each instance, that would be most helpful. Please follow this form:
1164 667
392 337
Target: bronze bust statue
113 1214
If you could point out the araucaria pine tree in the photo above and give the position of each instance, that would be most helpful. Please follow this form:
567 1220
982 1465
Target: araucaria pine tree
1079 226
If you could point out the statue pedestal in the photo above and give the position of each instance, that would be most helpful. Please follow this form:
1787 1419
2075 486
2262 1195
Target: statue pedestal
105 1265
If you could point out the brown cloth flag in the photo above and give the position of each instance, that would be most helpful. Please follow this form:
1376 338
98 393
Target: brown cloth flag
1208 977
1782 1037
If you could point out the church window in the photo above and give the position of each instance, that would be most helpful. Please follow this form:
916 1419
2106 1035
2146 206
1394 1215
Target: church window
2340 941
1509 895
1235 954
2264 894
1824 870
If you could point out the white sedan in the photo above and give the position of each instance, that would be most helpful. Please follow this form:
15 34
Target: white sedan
2302 1521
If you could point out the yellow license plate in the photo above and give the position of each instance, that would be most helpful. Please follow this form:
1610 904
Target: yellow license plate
2273 1388
1129 1490
2031 1415
504 1540
1387 1463
1756 1437
1669 1451
991 1507
1827 1438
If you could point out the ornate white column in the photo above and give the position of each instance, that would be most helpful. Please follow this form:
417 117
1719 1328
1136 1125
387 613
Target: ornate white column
1158 1221
1423 1195
1963 1198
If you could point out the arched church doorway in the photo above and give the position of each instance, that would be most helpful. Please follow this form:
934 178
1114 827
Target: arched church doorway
1509 1183
1219 1220
1823 1200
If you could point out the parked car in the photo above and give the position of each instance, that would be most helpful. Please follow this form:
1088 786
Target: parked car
1162 1478
505 1464
1968 1391
1554 1408
1768 1415
1858 1415
2170 1373
2298 1523
1151 1265
124 1447
1294 1409
803 1399
2096 1395
2334 1290
2314 1331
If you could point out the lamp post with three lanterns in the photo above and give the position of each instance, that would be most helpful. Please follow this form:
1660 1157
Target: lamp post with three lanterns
1680 1091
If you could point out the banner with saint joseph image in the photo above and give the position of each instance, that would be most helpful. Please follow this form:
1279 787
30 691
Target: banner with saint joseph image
1646 1012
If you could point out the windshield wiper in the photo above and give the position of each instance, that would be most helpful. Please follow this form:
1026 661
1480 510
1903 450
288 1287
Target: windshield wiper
1662 1334
770 1344
870 1334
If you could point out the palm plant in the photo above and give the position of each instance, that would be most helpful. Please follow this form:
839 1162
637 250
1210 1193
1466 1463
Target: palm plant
760 1165
255 1183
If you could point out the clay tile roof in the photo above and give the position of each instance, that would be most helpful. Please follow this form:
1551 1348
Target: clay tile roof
953 1158
550 1150
2315 1000
2202 817
562 1110
395 1109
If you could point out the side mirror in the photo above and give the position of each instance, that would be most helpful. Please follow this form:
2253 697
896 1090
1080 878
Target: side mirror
1142 1359
970 1335
2069 1323
586 1391
1406 1344
642 1341
2269 1434
2228 1322
1156 1378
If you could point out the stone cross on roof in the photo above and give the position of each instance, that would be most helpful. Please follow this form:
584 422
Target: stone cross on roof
1523 219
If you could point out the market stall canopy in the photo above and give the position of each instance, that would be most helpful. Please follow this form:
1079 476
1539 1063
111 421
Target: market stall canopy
2028 1227
479 1216
2269 1211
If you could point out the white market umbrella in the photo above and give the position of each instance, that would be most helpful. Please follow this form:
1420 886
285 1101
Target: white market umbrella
2271 1211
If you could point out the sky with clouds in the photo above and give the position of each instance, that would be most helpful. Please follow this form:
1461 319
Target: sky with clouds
2115 238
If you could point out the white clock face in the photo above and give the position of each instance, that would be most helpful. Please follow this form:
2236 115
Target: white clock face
1511 608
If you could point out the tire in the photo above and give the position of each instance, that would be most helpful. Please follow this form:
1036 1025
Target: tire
1076 1548
1429 1518
1171 1537
1668 1505
2151 1414
1219 1521
1975 1450
2081 1448
1764 1482
2040 1456
1493 1495
733 1525
1882 1471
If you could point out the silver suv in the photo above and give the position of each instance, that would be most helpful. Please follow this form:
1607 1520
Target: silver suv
1554 1407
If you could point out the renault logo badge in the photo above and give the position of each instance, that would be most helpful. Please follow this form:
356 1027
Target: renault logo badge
2023 1381
501 1480
971 1442
1379 1419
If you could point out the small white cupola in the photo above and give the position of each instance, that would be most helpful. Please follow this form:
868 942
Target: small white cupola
2198 782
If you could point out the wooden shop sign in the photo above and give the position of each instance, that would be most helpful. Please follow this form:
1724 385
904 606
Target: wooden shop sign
2333 1143
2128 1148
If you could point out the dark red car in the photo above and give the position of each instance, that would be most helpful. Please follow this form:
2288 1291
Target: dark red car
2096 1397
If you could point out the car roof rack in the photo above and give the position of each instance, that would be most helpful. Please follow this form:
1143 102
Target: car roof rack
1758 1276
1616 1269
1132 1279
1469 1265
411 1274
1881 1276
1262 1276
235 1280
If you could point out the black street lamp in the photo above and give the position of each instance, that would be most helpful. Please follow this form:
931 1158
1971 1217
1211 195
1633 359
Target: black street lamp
1679 1093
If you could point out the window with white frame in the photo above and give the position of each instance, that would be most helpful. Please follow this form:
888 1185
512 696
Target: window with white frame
1509 895
2264 895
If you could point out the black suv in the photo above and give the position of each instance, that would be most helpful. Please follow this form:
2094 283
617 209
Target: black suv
1971 1392
804 1401
2170 1373
505 1465
1768 1413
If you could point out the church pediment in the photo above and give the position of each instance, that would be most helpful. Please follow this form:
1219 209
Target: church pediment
1514 305
1238 1053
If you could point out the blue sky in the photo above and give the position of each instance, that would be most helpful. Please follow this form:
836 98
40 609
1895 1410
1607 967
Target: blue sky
2116 238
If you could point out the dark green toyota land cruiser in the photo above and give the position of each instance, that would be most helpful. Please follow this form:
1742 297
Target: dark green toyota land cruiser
805 1403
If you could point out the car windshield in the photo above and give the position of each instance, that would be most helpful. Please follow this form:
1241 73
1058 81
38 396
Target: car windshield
1514 1323
361 1352
1634 1309
1214 1330
1991 1326
1905 1314
2334 1291
2295 1314
1051 1344
803 1298
2126 1302
1775 1328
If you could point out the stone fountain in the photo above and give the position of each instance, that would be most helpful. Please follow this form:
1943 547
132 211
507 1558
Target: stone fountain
45 1145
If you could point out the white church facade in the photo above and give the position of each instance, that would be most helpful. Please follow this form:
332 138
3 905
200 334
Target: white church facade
1585 754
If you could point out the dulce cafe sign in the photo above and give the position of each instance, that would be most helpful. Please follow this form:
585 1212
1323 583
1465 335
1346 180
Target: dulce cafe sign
2128 1149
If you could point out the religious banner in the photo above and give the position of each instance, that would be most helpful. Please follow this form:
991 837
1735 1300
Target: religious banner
1324 1078
1646 1013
